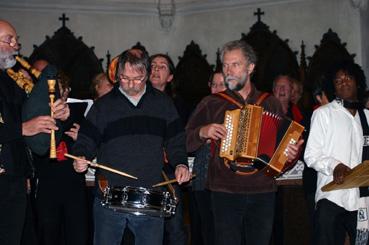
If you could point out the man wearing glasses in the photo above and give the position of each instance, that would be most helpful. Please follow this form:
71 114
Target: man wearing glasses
128 129
14 165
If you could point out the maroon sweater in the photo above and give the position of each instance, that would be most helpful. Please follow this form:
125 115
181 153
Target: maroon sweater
220 178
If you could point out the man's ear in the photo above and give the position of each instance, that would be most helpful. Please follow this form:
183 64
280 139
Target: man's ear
170 78
250 68
318 98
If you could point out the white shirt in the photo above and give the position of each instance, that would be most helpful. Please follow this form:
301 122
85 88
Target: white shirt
130 98
335 137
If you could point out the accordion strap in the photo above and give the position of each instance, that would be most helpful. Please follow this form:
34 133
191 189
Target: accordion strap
262 97
229 99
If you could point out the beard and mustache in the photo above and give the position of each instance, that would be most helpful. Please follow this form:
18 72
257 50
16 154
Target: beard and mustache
134 90
7 58
236 83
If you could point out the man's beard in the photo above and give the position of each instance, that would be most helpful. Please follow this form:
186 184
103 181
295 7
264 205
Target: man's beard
7 59
236 83
133 91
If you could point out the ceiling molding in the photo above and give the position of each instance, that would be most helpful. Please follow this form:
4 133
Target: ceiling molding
113 8
360 4
212 6
131 8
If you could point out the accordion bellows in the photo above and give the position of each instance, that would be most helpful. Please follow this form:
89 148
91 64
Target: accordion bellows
257 139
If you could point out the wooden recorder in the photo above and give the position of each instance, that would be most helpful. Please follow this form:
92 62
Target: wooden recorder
51 83
257 139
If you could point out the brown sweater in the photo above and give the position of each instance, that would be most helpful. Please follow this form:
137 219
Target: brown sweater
220 178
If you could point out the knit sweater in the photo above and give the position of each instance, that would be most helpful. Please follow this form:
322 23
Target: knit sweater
132 138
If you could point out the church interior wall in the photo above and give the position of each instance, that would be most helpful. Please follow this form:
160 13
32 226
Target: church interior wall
300 20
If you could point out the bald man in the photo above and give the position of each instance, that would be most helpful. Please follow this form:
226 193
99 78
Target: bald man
14 165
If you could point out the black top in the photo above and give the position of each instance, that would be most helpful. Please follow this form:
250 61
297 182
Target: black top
132 138
13 154
61 169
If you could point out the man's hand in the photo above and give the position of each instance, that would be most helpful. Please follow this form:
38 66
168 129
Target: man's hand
293 150
60 109
213 131
73 132
182 174
340 172
40 124
80 165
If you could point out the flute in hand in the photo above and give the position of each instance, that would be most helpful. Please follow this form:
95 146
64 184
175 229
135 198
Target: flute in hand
51 83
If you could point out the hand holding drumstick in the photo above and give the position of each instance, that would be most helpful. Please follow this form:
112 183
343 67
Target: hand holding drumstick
170 181
80 165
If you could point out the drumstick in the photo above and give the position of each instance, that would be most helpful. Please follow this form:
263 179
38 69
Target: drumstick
169 181
97 165
170 186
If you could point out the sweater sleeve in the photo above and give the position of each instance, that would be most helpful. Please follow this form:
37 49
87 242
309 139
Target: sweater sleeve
175 138
198 119
10 131
89 136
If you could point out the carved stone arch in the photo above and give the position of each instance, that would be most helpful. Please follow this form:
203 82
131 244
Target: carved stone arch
329 52
218 63
274 56
192 74
72 56
141 47
191 79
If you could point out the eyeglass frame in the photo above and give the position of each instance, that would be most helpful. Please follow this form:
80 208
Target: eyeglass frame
344 78
135 80
13 41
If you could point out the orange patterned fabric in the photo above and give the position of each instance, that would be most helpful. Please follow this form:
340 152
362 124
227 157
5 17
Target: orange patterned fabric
113 69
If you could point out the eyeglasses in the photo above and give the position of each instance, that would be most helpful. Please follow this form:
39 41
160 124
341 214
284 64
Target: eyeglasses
11 41
344 78
159 67
135 80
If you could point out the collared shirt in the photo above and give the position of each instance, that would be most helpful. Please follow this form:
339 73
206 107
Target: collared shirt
336 136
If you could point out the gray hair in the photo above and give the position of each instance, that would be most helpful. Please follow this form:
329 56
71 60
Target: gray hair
288 77
135 57
246 49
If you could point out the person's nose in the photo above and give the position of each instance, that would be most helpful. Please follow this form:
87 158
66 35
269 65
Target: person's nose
16 46
227 71
130 84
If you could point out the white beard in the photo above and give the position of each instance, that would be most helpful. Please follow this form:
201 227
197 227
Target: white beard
7 59
235 83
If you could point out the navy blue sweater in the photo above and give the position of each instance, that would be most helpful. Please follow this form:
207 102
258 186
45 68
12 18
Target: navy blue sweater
132 138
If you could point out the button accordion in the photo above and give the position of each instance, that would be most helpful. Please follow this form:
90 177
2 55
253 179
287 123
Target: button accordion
257 140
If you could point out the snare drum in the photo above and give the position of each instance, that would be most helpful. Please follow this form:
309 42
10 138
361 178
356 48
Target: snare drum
139 201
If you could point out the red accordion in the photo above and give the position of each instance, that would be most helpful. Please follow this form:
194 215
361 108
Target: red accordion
257 140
